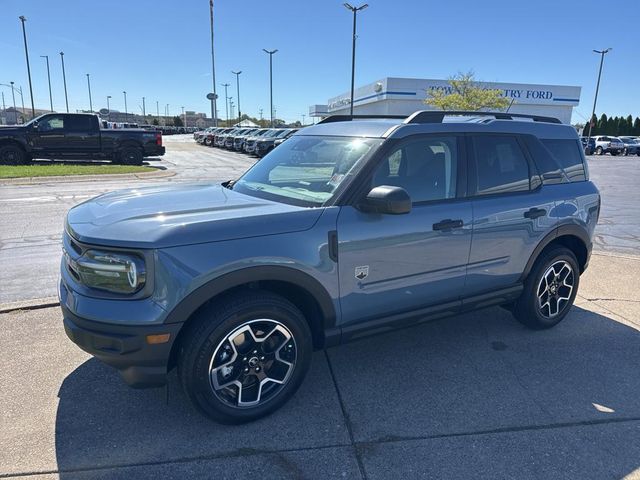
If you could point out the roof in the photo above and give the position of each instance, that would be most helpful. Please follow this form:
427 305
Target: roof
438 121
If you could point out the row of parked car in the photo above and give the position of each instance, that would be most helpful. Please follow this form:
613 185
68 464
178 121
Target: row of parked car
255 141
601 144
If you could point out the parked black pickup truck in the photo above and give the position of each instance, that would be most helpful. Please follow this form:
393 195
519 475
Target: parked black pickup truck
76 136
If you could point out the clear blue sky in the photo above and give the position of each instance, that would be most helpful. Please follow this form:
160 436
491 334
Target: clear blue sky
160 48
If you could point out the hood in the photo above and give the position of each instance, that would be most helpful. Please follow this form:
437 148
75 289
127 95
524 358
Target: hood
167 216
11 129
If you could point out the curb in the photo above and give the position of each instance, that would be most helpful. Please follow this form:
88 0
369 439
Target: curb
86 178
32 304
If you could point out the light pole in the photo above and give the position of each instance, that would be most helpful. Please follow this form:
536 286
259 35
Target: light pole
231 105
226 99
13 95
355 10
184 118
89 86
64 79
214 106
303 115
26 53
108 108
144 108
46 57
237 74
158 111
595 100
126 113
270 52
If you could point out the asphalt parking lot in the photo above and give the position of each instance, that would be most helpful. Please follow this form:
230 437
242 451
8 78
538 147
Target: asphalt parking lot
474 396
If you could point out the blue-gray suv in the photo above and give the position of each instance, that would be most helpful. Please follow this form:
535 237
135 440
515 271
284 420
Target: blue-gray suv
351 227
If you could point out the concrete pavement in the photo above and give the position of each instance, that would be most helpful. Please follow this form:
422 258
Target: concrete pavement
474 396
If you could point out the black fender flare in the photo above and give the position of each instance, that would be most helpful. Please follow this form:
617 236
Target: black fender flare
15 141
244 276
560 231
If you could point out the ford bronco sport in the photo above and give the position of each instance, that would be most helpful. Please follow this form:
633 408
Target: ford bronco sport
351 227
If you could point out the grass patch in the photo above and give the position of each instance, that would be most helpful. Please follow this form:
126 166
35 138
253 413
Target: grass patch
50 170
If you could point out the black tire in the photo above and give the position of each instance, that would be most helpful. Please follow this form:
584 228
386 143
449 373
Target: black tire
613 154
130 156
599 151
12 155
528 309
207 342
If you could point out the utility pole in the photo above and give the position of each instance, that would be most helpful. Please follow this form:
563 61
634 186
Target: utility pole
64 79
26 53
355 10
226 99
237 74
46 57
270 52
214 106
90 101
595 100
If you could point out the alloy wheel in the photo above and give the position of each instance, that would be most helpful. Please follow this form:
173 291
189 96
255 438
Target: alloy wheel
253 363
555 289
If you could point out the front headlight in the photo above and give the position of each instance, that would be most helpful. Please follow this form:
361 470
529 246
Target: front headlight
111 271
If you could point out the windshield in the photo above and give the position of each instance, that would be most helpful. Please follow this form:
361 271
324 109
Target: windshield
30 122
306 170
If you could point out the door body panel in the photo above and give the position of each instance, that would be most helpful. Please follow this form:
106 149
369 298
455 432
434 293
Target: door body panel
406 264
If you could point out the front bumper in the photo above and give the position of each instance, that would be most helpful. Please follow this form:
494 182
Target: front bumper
140 364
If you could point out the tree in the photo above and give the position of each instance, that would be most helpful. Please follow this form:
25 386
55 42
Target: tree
636 126
155 121
177 121
466 94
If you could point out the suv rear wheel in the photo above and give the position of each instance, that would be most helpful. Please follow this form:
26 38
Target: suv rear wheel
549 290
245 357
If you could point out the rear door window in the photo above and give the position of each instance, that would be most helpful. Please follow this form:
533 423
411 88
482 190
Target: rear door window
79 123
500 165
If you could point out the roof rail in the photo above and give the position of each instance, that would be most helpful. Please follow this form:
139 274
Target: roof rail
437 116
347 118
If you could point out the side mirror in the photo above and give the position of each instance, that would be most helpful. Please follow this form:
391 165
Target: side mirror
34 125
386 199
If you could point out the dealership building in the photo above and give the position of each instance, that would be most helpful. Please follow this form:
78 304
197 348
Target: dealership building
403 96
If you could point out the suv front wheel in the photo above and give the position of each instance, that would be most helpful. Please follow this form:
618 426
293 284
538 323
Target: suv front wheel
549 290
245 357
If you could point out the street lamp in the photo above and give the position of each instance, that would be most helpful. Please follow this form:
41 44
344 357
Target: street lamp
595 100
303 115
226 99
108 108
126 114
89 86
46 57
64 79
355 10
26 53
158 111
144 108
13 95
270 52
214 106
237 74
184 118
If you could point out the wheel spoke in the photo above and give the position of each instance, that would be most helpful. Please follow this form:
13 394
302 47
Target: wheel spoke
555 288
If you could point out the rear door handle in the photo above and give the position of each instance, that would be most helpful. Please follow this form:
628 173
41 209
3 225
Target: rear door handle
535 213
447 224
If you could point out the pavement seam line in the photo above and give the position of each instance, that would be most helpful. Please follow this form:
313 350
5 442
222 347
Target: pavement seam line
38 306
608 310
244 453
347 419
382 441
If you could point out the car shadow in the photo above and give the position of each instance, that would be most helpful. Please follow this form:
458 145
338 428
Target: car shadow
479 371
93 162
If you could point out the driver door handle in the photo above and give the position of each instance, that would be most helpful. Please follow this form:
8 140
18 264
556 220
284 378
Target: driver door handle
448 224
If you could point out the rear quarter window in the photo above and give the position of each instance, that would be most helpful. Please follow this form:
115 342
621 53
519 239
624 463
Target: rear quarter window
568 155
